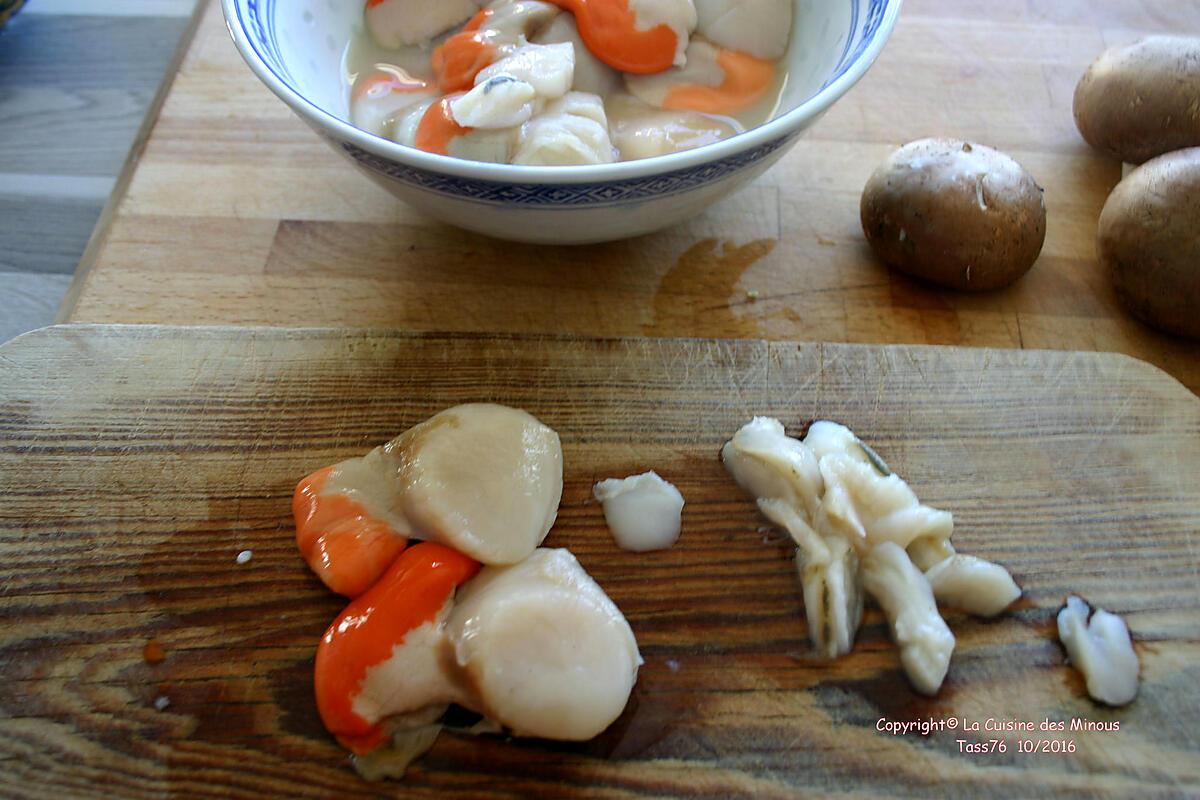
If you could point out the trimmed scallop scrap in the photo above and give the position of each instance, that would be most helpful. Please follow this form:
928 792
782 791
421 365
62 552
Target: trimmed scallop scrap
859 529
1099 646
643 512
396 23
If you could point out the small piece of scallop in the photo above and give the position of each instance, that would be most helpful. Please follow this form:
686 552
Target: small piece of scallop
767 463
417 675
678 15
495 146
548 68
1101 649
906 598
408 119
642 511
813 546
478 144
509 24
975 585
501 101
380 97
640 130
544 650
591 74
481 478
761 28
571 130
396 23
835 595
702 69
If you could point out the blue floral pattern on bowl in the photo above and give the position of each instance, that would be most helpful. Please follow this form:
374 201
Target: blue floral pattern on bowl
257 18
863 37
564 195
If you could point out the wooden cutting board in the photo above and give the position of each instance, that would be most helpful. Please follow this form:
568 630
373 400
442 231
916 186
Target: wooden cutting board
137 462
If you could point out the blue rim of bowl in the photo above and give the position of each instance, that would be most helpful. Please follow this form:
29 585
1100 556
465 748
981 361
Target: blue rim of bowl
850 69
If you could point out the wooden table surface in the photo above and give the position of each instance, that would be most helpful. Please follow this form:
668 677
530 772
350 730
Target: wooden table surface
236 213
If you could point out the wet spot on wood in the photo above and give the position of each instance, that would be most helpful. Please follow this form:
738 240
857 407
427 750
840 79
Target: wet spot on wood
710 268
153 652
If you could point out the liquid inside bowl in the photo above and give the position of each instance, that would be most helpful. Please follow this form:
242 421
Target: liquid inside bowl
308 41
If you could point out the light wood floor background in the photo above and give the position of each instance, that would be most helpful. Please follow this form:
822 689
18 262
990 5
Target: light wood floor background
76 79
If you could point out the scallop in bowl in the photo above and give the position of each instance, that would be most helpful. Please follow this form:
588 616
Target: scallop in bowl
311 54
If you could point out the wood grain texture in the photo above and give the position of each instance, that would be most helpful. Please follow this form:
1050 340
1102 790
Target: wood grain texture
135 463
317 244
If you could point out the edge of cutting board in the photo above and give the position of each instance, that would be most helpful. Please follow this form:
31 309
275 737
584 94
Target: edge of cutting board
19 343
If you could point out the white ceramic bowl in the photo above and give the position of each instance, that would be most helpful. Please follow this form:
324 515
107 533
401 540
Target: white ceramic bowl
295 47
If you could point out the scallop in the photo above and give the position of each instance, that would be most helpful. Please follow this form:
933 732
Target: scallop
380 97
975 585
548 68
591 74
714 80
870 508
678 15
571 130
484 479
828 569
543 649
514 21
501 101
761 28
396 23
768 463
640 130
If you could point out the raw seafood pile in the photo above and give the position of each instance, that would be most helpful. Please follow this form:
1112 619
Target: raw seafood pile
477 613
860 530
566 82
